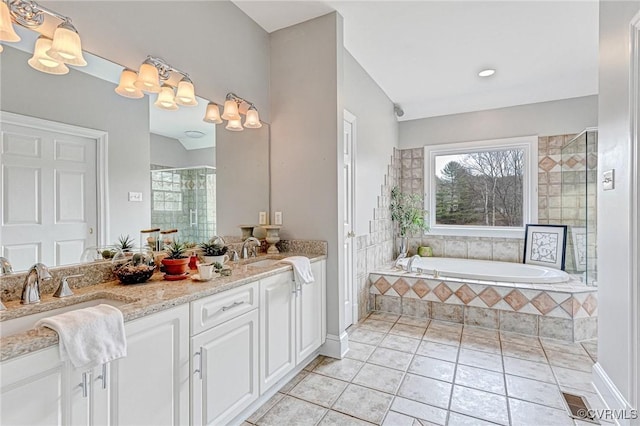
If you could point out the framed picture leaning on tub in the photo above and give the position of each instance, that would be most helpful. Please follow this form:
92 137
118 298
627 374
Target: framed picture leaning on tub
545 245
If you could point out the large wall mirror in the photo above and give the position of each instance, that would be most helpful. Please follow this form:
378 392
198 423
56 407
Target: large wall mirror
82 166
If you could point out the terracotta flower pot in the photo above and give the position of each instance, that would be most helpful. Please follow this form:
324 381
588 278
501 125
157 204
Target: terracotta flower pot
176 266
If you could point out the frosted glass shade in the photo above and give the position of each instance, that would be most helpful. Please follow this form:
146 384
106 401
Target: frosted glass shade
186 94
166 99
212 115
148 79
7 33
41 61
234 126
231 110
66 46
1 48
253 119
126 86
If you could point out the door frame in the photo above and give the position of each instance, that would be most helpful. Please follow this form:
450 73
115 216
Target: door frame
634 273
352 119
102 176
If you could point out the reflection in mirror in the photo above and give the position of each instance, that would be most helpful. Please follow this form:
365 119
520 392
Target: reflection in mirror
130 143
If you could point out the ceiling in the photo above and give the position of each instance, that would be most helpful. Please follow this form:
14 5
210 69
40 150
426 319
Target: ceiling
426 55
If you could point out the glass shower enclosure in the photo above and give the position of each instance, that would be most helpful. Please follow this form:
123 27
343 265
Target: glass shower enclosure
579 204
184 199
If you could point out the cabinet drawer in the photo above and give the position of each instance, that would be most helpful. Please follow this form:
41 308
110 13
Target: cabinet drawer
216 309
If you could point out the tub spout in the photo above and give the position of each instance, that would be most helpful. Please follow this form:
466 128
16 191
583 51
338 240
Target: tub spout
410 262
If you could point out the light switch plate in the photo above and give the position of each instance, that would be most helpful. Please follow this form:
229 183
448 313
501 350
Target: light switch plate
277 218
608 180
262 218
135 196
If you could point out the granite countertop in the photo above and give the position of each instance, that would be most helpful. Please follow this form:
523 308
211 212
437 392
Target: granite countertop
139 300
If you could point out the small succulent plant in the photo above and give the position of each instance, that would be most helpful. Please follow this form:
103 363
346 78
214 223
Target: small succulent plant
125 243
175 250
213 248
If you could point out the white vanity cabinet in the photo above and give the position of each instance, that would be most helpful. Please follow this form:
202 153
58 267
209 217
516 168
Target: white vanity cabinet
224 355
33 389
292 322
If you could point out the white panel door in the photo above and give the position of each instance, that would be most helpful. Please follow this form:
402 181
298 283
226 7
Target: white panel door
48 196
350 297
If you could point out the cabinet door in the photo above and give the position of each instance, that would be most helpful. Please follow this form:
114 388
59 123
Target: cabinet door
277 328
88 396
225 370
150 386
32 389
310 314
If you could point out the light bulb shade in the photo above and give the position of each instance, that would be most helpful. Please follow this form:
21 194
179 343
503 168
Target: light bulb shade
186 94
253 119
166 99
126 86
66 46
231 110
212 115
1 48
43 62
234 126
7 33
148 80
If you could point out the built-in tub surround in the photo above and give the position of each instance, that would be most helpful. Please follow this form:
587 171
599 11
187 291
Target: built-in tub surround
566 311
485 270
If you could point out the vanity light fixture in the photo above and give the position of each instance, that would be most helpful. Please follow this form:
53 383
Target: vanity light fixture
212 115
127 87
41 60
157 76
233 107
65 48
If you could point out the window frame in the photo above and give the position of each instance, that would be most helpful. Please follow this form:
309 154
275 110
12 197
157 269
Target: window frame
530 185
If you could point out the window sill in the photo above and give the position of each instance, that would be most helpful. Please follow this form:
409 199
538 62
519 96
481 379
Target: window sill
469 231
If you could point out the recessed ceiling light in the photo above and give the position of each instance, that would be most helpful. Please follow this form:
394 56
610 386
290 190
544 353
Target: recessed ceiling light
195 134
487 73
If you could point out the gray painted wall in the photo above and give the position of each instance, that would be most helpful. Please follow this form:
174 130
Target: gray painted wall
543 119
82 100
170 152
376 133
306 140
615 306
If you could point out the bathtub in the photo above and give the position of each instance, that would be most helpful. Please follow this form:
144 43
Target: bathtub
487 270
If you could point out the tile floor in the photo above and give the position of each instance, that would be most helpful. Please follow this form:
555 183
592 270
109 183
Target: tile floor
411 371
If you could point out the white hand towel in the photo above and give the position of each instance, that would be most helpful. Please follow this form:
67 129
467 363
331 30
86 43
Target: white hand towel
91 336
301 268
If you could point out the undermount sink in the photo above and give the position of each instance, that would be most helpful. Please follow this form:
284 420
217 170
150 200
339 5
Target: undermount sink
27 322
264 263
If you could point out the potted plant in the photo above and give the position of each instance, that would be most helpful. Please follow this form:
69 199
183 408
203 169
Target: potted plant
409 215
125 243
214 251
176 262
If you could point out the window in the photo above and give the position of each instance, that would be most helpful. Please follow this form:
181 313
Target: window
482 188
166 190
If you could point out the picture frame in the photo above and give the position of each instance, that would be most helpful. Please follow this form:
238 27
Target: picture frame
545 245
579 240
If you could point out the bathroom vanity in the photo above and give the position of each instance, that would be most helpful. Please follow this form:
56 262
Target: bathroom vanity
197 353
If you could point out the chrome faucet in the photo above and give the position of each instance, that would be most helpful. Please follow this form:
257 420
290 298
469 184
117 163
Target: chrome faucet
244 253
410 262
31 288
400 257
5 266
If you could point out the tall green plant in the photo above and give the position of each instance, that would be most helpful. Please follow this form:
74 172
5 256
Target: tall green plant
407 212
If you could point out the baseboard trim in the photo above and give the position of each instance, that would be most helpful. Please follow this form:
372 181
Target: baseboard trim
335 346
610 393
